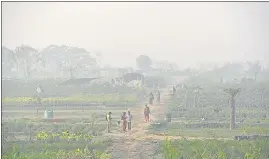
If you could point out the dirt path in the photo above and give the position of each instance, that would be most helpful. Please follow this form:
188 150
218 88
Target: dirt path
137 144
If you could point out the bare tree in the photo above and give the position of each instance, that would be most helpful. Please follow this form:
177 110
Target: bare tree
232 92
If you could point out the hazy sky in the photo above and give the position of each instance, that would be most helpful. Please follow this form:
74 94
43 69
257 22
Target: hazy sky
181 32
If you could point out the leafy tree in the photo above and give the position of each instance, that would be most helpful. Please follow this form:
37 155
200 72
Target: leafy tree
26 58
68 58
197 90
229 71
8 60
143 62
254 69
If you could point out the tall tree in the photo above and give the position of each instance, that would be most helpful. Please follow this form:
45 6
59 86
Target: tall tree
194 91
254 69
26 58
68 59
232 92
229 70
197 92
143 62
262 87
8 60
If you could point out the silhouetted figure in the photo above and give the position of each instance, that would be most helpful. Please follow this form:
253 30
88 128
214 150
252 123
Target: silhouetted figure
146 113
174 90
158 96
151 98
124 121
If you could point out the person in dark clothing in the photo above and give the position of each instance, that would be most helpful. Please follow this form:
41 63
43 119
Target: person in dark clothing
146 113
158 96
174 90
151 98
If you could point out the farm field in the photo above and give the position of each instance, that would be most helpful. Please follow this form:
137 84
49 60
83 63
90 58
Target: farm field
21 127
162 80
96 99
215 149
200 126
75 131
196 131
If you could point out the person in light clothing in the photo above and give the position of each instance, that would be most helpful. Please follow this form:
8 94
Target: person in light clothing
108 119
129 120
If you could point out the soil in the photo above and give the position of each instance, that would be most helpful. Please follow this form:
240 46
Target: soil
138 144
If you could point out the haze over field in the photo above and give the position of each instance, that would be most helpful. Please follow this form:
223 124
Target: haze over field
185 33
135 80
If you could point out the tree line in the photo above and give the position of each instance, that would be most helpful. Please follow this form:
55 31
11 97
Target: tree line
26 62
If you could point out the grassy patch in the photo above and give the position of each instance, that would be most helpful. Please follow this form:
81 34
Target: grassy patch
93 98
215 149
60 150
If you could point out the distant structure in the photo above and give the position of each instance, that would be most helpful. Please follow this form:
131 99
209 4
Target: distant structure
79 81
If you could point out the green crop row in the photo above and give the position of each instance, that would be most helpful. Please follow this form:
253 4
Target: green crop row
218 149
63 147
95 98
53 154
62 136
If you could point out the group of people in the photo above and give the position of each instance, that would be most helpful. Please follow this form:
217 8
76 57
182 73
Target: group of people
151 97
126 119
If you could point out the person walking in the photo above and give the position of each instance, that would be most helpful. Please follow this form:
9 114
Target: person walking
124 121
158 97
174 90
108 119
146 113
151 98
129 119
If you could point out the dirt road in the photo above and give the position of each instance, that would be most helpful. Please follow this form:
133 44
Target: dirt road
137 144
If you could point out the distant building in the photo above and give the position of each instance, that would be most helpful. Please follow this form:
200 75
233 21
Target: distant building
113 72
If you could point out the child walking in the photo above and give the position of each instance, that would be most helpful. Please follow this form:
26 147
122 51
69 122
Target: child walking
124 121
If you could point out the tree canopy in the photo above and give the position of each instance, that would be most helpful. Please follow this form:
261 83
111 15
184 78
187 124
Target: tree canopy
27 62
143 62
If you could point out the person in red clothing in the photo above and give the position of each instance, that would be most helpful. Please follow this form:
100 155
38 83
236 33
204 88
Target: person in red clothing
146 113
124 121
